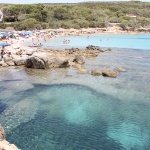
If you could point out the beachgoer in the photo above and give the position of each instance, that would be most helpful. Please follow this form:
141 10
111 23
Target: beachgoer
2 52
9 54
44 38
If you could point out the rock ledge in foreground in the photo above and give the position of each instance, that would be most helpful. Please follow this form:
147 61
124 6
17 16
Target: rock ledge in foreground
5 145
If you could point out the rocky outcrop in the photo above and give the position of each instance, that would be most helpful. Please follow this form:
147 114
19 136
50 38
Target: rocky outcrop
1 63
78 66
90 51
96 72
106 72
73 50
79 59
9 61
146 30
2 134
5 145
58 62
43 61
97 48
37 61
19 61
52 58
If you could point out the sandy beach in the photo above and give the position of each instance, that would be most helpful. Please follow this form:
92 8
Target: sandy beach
19 42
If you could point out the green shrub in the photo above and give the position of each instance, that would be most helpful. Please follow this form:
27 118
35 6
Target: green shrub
45 25
38 26
3 25
27 24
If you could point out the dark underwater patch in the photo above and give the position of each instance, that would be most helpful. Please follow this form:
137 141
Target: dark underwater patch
2 107
56 134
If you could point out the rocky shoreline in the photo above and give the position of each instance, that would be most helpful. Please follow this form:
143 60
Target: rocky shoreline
4 144
52 58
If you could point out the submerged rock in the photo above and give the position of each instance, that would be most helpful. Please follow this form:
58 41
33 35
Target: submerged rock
120 69
82 71
96 72
109 49
106 72
78 66
97 48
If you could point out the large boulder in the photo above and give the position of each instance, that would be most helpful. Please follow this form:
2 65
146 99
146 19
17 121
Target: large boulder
2 134
96 72
20 60
5 145
37 61
58 62
9 60
79 59
106 72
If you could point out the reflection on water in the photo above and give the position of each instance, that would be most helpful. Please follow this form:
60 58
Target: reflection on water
62 110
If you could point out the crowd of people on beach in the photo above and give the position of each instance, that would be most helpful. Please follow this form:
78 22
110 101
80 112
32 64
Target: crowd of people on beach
36 40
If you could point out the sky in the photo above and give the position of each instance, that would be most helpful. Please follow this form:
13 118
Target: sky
51 1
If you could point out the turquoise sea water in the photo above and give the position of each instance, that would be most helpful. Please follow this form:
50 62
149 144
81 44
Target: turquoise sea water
135 41
59 109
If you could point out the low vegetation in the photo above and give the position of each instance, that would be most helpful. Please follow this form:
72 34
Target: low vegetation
133 14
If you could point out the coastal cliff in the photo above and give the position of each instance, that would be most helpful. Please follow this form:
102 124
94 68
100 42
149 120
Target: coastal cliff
4 144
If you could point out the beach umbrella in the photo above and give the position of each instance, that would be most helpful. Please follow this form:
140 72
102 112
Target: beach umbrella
42 31
5 34
4 44
15 34
10 32
27 32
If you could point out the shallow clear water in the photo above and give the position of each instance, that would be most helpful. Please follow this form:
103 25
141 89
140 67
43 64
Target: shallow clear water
134 41
63 110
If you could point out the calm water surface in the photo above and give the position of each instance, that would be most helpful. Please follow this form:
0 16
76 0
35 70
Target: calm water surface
135 41
63 110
